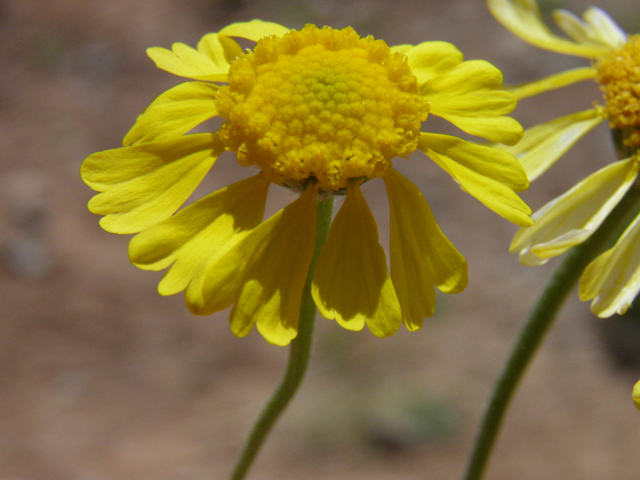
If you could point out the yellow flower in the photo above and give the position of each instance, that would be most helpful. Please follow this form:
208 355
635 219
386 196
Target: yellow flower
318 111
636 394
612 281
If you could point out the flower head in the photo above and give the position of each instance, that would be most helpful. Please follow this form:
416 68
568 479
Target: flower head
319 111
612 281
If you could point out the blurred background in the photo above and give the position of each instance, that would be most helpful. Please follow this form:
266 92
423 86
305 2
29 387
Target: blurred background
101 378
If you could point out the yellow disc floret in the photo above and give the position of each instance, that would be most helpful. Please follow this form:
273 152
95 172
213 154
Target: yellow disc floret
619 76
321 105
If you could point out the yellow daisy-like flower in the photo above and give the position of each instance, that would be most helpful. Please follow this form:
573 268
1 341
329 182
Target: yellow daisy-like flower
612 281
318 111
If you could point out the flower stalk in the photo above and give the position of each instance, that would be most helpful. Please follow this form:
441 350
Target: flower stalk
538 324
299 352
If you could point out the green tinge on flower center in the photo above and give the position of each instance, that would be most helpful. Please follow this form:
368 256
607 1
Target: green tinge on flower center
619 77
321 104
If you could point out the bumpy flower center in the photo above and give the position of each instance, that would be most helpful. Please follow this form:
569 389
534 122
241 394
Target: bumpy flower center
321 105
619 76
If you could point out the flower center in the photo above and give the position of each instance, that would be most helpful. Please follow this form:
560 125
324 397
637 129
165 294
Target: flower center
321 105
619 77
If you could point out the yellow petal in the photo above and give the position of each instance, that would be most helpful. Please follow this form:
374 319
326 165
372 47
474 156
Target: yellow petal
351 282
421 255
263 274
146 183
198 234
636 394
404 48
613 279
210 62
253 30
470 96
174 113
429 60
597 28
489 174
552 82
522 18
572 217
221 49
541 146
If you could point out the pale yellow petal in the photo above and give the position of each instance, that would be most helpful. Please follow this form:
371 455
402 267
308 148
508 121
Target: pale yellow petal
263 274
523 19
143 184
253 30
174 113
489 174
552 82
541 146
421 255
195 236
220 49
571 218
184 61
636 394
470 96
351 282
613 279
429 60
597 28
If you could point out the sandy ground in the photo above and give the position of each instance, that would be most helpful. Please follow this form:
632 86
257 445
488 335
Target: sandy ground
101 378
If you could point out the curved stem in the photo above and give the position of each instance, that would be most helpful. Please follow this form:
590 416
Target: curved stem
540 319
299 353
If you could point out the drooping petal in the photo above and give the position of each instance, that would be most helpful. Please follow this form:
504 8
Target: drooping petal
429 60
597 28
522 18
174 113
572 217
351 283
613 279
210 62
253 30
143 184
541 146
198 234
263 274
489 174
421 255
552 82
470 96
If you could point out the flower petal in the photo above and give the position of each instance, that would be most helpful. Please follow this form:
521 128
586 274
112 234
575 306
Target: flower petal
613 279
572 217
174 113
351 282
210 62
598 27
421 255
253 30
470 96
489 174
263 274
429 60
552 82
541 146
146 183
200 233
523 19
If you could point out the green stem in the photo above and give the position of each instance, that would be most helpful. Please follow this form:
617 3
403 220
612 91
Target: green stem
538 324
299 353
